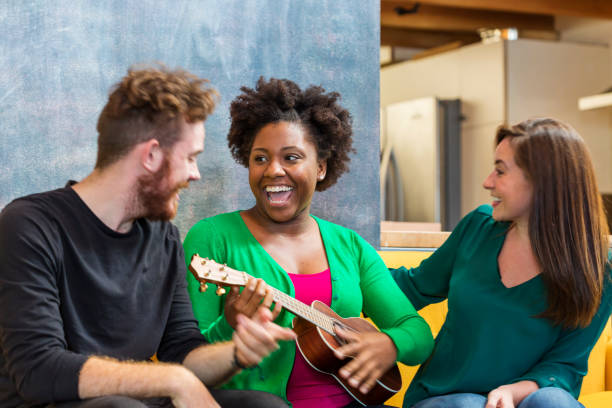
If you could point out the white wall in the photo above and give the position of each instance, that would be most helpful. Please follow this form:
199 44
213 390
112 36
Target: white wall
547 78
594 31
509 82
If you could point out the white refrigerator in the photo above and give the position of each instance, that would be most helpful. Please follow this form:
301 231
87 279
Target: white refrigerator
421 161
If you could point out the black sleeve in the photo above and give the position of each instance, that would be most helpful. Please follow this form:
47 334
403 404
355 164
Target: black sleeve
32 340
181 334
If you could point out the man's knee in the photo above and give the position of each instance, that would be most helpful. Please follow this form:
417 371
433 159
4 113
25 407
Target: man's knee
247 398
111 401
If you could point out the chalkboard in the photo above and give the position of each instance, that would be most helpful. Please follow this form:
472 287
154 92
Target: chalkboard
59 59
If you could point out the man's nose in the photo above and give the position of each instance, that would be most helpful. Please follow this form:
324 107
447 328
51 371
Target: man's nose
195 173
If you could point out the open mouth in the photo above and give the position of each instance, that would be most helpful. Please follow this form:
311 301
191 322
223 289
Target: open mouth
278 195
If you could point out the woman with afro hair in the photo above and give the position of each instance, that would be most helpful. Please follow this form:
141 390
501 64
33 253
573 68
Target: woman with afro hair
295 142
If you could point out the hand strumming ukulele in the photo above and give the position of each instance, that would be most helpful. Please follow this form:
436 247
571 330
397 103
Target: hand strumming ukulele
315 326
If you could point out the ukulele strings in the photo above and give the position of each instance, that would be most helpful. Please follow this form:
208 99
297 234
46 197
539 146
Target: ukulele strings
298 308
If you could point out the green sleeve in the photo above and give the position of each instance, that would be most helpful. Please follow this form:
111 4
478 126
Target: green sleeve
566 363
390 310
207 307
428 283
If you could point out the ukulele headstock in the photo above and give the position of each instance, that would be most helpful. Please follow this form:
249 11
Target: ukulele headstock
208 271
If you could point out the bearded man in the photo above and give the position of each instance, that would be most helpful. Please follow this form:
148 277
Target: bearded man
92 275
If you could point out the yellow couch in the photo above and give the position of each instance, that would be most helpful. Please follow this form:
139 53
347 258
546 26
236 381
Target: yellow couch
597 386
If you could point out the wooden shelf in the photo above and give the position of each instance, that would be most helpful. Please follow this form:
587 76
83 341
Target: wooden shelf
420 239
412 239
595 101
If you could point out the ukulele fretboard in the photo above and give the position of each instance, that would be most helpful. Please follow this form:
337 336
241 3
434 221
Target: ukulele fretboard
302 310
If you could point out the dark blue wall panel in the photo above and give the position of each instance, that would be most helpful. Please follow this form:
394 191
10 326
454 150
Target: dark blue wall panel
58 60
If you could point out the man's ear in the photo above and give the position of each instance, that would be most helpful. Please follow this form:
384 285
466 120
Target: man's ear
151 155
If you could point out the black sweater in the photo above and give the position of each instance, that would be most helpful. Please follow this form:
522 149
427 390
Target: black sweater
70 287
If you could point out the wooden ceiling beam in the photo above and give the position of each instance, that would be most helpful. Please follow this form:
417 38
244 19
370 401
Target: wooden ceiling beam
575 8
429 17
398 37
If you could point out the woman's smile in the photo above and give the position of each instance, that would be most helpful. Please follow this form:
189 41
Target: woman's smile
283 171
279 195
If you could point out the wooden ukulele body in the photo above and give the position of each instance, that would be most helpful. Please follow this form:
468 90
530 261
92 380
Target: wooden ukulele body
317 346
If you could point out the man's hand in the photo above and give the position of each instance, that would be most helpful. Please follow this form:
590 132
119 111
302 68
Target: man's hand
253 340
254 294
257 337
374 354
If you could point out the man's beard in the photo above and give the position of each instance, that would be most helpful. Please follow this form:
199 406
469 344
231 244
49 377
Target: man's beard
155 196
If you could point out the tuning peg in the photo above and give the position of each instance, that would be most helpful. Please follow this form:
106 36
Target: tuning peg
203 287
203 262
220 291
208 272
225 276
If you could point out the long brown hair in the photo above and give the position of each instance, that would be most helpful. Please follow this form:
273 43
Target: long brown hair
567 223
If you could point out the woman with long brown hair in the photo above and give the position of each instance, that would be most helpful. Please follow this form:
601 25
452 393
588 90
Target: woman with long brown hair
527 280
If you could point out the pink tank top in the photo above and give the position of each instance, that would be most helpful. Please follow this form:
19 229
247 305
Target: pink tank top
308 387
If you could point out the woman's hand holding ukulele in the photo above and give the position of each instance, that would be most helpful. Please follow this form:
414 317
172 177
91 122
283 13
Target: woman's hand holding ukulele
374 353
254 295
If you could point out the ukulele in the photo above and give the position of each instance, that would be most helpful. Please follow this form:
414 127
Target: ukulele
315 328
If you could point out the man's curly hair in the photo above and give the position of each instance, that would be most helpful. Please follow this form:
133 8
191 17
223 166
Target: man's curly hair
278 100
146 104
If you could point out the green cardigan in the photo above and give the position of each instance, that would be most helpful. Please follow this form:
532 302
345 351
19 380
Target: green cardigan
490 336
360 282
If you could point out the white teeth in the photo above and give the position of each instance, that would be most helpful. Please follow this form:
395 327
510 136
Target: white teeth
277 189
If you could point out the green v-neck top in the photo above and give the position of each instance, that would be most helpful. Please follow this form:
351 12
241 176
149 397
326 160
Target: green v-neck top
359 278
490 336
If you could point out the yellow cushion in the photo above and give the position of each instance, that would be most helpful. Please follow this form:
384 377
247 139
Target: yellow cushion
433 314
601 399
607 334
595 380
